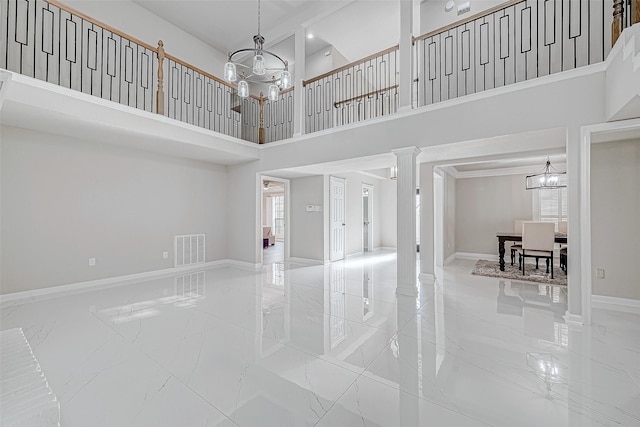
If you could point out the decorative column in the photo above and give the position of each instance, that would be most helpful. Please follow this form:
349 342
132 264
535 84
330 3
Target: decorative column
576 313
618 20
406 54
299 92
160 90
406 188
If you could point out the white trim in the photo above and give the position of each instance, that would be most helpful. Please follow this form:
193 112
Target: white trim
573 319
354 254
386 248
471 255
242 264
427 278
614 303
450 258
516 170
307 261
585 223
36 294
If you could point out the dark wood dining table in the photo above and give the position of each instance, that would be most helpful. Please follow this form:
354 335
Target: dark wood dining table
517 237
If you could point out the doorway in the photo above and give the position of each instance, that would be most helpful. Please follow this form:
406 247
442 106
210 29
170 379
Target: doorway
367 218
274 214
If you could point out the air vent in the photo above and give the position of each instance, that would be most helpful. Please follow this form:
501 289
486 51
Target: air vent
189 249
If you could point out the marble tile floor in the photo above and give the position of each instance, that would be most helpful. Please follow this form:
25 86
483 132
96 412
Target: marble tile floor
296 345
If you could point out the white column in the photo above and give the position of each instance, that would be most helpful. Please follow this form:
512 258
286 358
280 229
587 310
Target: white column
427 250
405 54
406 188
575 309
298 98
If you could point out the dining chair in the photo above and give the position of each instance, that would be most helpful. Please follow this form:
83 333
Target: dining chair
563 228
538 239
517 228
563 259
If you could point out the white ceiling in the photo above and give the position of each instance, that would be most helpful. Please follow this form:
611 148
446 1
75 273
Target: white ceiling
352 26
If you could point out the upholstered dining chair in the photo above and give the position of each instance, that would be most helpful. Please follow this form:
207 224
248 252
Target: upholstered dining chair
517 228
538 239
563 228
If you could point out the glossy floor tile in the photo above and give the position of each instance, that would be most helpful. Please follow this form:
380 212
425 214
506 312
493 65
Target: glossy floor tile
296 345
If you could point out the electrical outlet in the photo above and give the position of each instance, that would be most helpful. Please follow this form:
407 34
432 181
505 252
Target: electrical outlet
599 273
92 262
165 255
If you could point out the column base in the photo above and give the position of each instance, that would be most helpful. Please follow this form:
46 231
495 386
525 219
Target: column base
407 291
427 278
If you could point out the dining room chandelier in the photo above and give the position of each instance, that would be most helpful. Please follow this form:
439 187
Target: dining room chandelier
547 179
266 68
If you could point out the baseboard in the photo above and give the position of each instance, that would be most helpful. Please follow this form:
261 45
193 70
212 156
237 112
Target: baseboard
37 294
242 264
573 320
306 261
427 278
450 258
471 255
614 303
385 248
354 254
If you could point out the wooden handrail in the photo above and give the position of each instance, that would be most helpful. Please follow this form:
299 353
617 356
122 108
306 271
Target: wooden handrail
467 20
375 92
101 24
352 64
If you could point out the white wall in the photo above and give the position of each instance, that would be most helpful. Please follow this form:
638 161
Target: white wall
306 232
127 16
486 206
66 200
319 63
389 213
615 207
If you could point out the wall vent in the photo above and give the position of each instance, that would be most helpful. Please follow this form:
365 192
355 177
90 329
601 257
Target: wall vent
189 249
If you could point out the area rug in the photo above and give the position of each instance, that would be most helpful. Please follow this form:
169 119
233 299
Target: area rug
492 269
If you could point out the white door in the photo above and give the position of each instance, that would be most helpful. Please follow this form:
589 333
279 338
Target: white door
336 206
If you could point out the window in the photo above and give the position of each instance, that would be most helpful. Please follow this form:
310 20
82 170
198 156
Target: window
550 205
277 204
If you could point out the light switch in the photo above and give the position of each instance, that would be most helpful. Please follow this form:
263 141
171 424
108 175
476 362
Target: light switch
310 208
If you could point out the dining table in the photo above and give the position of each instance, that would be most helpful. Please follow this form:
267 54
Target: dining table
517 237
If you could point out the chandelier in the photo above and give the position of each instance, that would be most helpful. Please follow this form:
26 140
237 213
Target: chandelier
548 178
259 71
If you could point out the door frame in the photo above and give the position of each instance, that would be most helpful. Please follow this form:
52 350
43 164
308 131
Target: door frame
287 198
368 187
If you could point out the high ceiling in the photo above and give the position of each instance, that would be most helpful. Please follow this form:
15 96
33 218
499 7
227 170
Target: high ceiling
356 28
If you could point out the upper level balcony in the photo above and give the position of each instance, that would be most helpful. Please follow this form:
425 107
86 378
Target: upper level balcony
510 43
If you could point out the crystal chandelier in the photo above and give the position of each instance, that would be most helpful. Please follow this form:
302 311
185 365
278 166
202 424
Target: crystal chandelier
548 178
258 72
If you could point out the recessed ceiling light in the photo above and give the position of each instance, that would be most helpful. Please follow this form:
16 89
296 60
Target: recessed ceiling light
449 6
309 36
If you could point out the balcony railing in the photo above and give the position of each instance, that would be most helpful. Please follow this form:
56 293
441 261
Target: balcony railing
52 42
48 42
362 90
513 42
